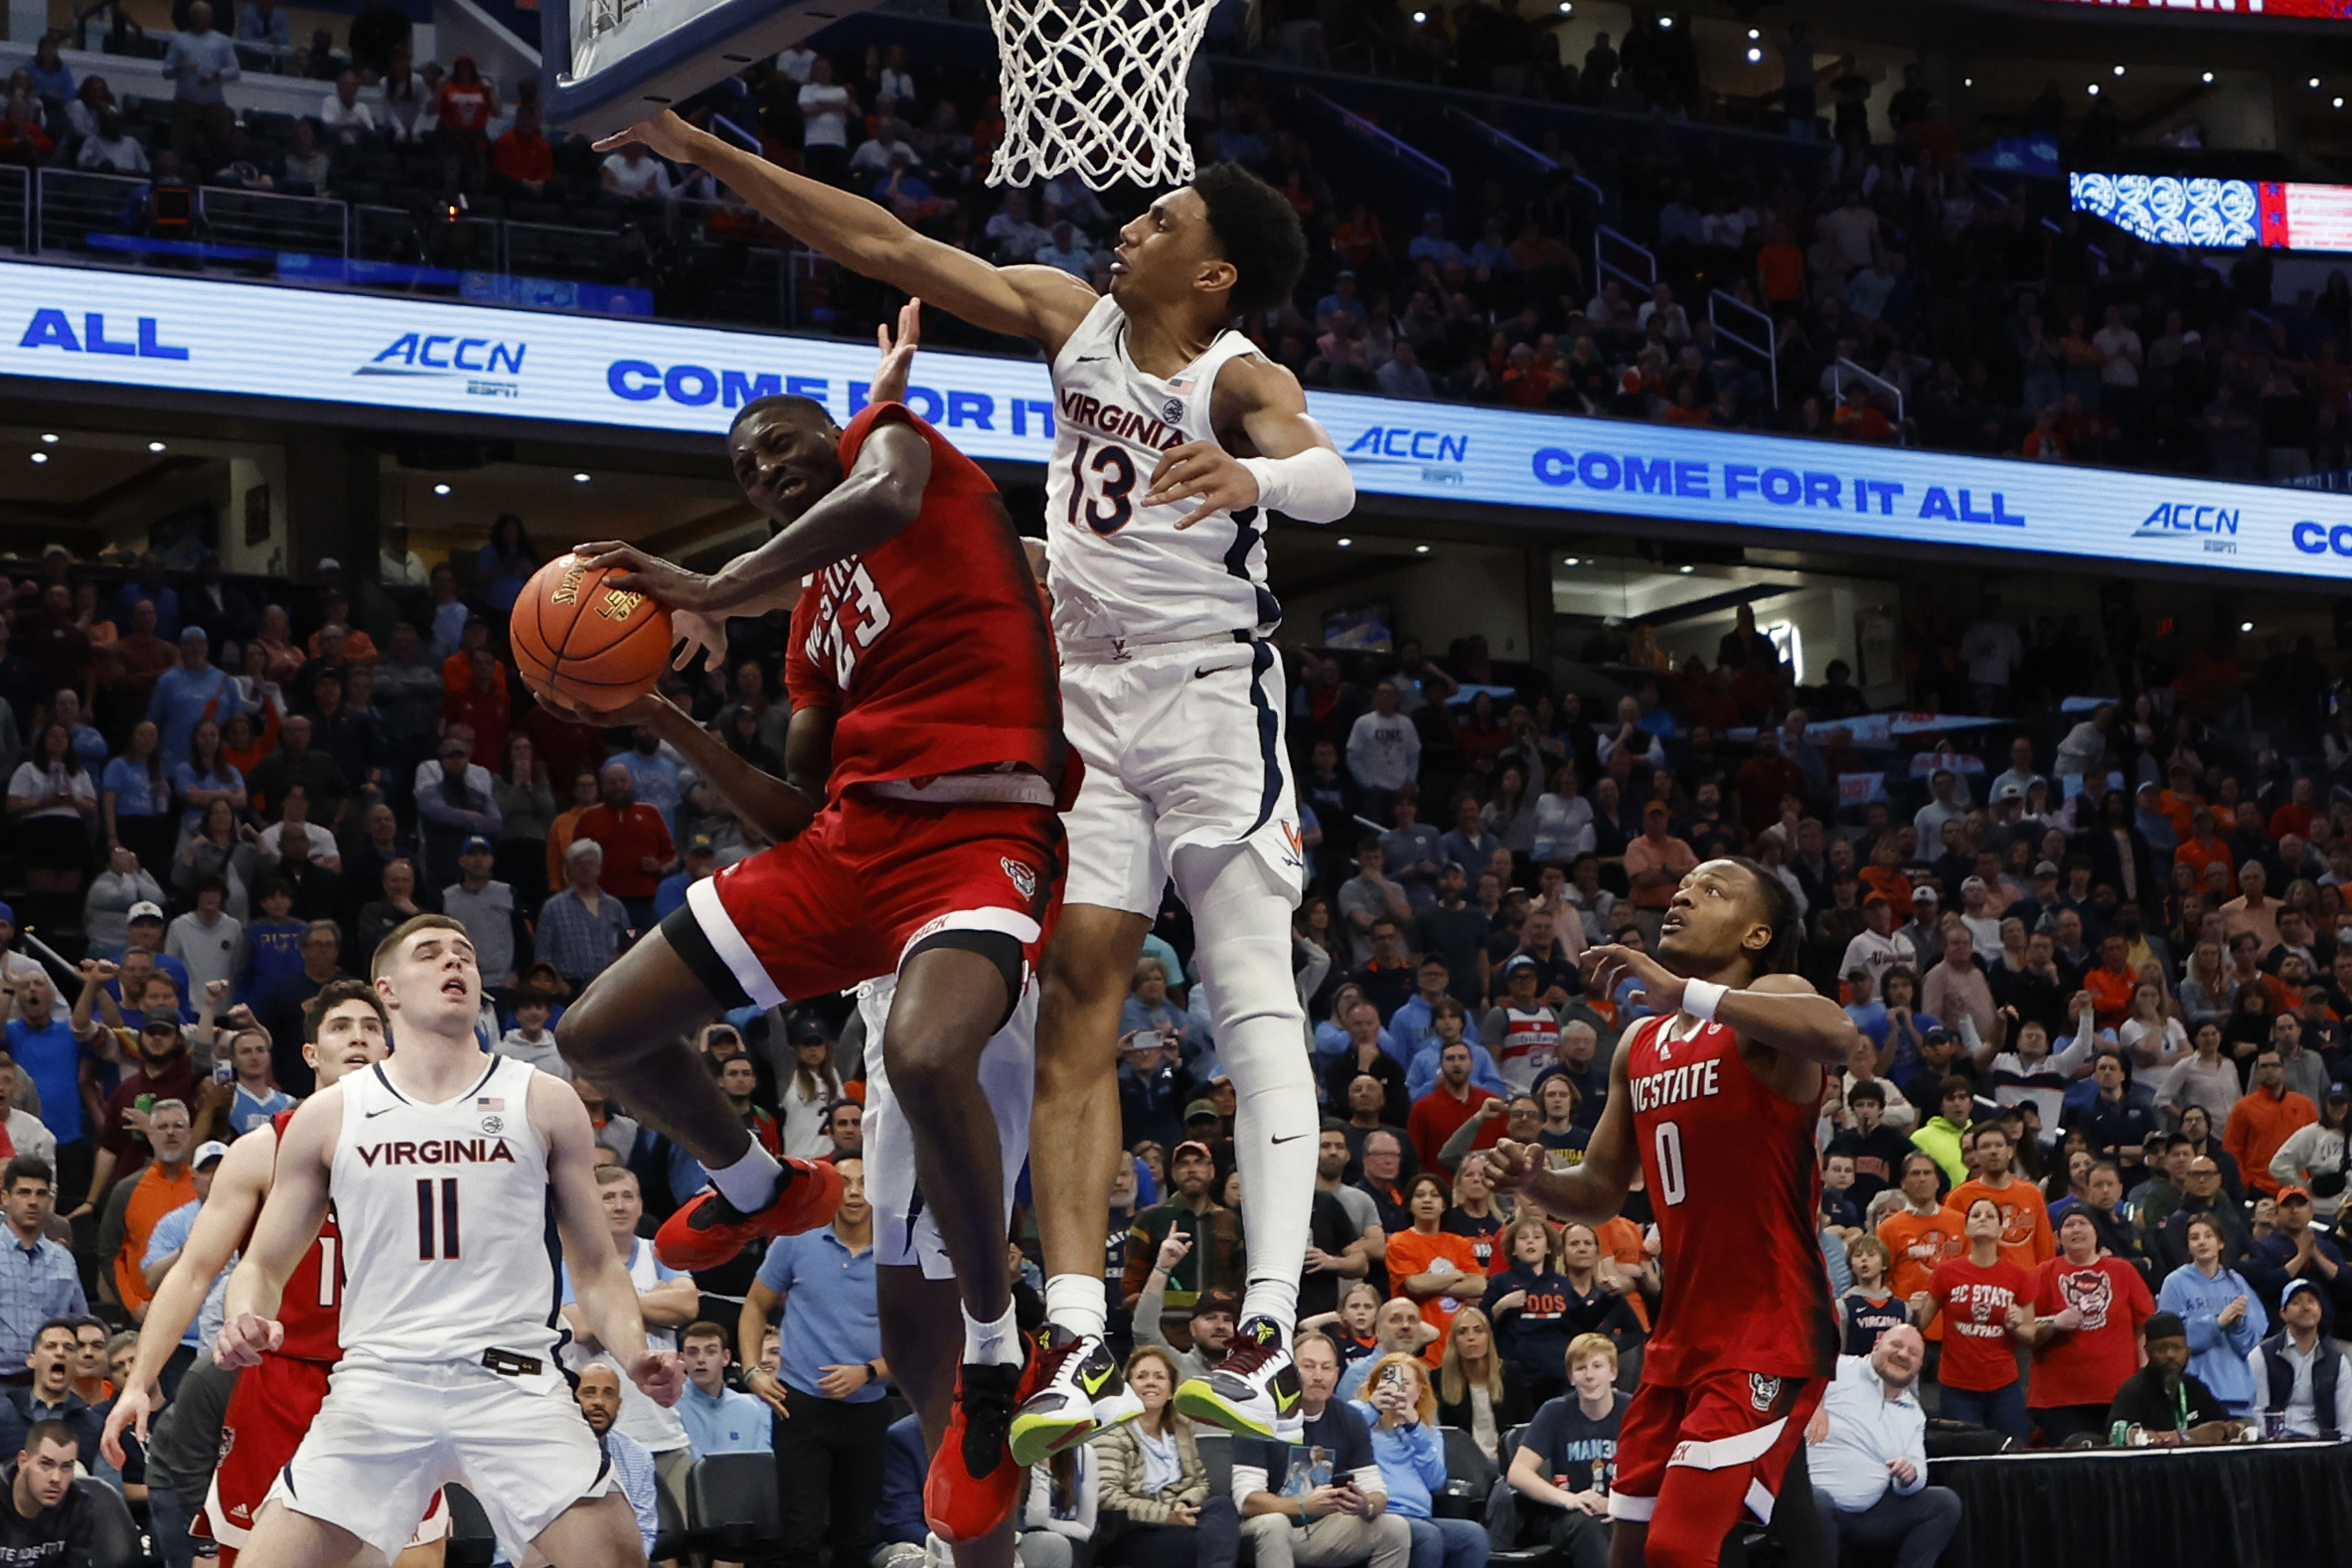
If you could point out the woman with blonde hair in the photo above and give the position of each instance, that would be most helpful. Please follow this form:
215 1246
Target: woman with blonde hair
1477 1390
1400 1407
1154 1509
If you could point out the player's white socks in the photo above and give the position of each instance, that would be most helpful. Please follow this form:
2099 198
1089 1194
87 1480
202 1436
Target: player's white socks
1078 1303
750 1182
1241 925
992 1344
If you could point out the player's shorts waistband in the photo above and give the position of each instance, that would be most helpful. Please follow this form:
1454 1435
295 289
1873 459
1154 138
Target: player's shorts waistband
949 789
1120 650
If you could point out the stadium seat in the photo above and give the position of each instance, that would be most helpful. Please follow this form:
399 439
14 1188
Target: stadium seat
1509 1556
670 1535
1469 1477
730 1505
472 1542
114 1534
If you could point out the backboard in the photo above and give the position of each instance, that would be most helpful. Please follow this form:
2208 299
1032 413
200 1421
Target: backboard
605 64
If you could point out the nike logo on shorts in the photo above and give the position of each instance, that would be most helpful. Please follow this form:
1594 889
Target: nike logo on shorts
1294 1138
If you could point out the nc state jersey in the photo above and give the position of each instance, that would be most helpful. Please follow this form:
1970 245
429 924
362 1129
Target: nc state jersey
1737 1191
310 1310
931 648
448 1226
1119 569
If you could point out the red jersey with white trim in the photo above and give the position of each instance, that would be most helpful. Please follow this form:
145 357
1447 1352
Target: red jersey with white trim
311 1310
1736 1191
932 648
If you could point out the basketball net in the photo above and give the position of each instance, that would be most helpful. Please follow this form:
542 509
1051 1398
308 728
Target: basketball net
1095 87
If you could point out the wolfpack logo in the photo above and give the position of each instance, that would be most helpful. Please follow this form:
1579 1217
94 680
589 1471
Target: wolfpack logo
1763 1392
442 354
2090 1292
1022 878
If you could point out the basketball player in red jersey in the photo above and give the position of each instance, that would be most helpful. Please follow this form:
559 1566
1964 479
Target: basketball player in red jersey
274 1403
1716 1097
924 765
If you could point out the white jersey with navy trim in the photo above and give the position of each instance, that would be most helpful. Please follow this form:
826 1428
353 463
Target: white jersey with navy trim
1121 571
447 1222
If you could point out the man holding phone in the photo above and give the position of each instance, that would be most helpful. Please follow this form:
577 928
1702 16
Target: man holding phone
1318 1502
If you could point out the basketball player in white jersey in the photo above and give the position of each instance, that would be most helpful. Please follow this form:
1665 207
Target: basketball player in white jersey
273 1406
445 1168
1174 439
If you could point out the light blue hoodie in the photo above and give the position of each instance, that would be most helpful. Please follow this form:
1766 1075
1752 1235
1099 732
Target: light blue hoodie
2217 1354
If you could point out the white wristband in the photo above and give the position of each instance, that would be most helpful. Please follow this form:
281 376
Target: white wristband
1700 998
1313 486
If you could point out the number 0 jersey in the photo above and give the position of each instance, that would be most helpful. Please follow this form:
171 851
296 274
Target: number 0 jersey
309 1309
931 648
1731 1173
447 1221
1122 572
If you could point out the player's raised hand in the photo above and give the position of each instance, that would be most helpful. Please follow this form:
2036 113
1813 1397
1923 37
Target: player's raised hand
697 633
244 1338
671 585
1511 1167
1205 470
889 377
131 1410
659 1375
1609 964
665 134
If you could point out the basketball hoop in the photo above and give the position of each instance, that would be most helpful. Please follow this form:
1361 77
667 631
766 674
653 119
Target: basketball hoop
1095 87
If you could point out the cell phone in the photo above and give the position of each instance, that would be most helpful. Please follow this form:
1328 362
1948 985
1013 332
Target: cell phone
1395 1377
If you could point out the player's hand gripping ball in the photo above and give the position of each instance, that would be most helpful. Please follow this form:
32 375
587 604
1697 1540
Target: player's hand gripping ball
580 642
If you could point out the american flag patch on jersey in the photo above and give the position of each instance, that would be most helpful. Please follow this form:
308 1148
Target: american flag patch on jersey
491 1102
1180 385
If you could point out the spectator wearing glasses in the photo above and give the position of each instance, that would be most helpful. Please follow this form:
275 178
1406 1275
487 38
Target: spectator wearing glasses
1319 1500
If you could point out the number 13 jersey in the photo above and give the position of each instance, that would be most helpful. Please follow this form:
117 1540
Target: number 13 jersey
447 1222
1731 1177
1120 571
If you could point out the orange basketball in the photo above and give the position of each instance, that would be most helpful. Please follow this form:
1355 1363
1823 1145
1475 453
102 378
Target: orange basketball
594 646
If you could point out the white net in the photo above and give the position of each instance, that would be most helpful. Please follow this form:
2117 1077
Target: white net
1095 87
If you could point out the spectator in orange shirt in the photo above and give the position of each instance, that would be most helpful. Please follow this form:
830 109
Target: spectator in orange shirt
164 1185
482 702
1922 1233
458 670
357 646
2026 1238
521 160
2294 817
1433 1267
2264 1119
2181 802
2112 984
2201 850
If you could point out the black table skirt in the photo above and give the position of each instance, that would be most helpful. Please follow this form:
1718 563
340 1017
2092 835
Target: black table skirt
2283 1504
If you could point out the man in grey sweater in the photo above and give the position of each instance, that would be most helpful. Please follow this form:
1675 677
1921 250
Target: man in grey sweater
199 62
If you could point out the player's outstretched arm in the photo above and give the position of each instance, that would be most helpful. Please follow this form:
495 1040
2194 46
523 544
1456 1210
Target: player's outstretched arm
778 807
1588 1192
1039 302
1781 1012
606 1294
1297 471
289 1223
239 1188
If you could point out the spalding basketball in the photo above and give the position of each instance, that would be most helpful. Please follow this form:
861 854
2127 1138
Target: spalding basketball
576 637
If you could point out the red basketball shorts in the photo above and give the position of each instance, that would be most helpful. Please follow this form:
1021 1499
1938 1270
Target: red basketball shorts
1691 1458
268 1412
867 881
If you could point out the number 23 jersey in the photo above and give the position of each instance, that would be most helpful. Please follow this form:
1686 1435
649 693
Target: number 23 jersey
931 648
1737 1189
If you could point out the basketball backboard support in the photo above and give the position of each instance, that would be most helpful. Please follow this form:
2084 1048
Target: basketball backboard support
605 64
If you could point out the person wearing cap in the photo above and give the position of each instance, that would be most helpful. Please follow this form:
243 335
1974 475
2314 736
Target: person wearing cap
2020 775
487 910
2301 1373
2166 1400
1879 946
1980 912
163 1072
700 859
2299 1250
1188 1211
188 691
164 1244
1209 1321
2319 1158
2039 908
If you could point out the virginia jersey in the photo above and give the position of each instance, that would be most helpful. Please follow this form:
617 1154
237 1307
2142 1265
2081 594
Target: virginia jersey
447 1222
1122 572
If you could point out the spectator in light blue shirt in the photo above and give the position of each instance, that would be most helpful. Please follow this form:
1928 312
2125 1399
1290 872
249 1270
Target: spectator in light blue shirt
653 777
197 63
718 1420
263 22
38 1276
1869 1462
164 1244
598 1390
189 692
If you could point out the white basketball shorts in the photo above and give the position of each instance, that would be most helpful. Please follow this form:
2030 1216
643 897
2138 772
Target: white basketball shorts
1183 747
905 1233
389 1437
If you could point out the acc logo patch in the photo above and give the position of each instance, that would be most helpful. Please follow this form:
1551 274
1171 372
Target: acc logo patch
1022 878
1173 414
1763 1392
494 1124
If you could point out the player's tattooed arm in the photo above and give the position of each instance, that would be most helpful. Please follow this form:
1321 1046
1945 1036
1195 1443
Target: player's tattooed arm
289 1223
1588 1192
1039 302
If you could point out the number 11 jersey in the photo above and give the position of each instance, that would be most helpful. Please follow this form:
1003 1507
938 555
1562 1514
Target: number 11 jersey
1733 1179
447 1222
